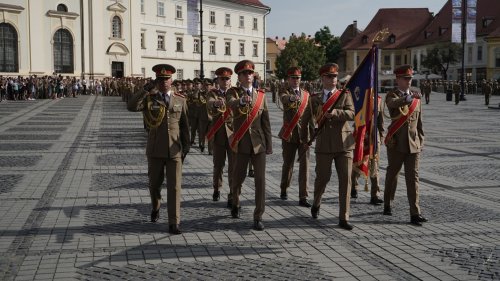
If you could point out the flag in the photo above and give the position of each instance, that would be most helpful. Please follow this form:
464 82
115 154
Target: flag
363 88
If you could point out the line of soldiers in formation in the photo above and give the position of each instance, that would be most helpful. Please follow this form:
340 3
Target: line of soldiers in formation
240 133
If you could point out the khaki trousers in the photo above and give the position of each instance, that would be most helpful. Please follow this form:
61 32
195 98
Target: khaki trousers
156 172
343 165
239 174
373 174
289 152
395 160
219 153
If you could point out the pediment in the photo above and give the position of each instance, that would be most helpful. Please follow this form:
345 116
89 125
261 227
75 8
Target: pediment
117 7
117 49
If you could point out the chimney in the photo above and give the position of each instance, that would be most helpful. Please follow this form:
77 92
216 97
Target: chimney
354 28
276 38
283 38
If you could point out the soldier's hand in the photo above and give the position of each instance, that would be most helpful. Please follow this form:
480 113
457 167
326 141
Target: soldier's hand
416 95
219 103
328 115
292 98
269 151
246 100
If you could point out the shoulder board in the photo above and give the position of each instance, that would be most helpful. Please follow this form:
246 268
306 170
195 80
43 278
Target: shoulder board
179 95
261 91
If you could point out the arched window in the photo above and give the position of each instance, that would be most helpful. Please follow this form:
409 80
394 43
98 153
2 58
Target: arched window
117 27
8 48
63 51
62 8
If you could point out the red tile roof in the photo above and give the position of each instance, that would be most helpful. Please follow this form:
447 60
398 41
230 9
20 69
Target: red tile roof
403 23
254 3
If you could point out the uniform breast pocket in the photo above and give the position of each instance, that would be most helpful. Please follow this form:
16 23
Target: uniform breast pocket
176 111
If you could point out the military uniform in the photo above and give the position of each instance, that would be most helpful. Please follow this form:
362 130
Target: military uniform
255 143
220 138
291 100
166 146
487 90
335 142
404 147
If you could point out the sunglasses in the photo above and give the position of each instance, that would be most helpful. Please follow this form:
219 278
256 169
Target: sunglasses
224 78
246 72
295 77
330 75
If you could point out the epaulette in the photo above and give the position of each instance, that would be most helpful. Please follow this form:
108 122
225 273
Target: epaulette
261 91
179 95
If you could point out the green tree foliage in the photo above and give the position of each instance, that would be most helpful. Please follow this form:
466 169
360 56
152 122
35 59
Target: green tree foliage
441 56
302 52
330 43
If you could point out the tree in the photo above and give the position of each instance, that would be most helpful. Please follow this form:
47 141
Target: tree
302 52
330 43
441 56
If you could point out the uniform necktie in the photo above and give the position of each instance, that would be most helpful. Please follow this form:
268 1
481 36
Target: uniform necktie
166 98
248 92
297 93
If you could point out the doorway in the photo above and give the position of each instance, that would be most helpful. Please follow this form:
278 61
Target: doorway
117 69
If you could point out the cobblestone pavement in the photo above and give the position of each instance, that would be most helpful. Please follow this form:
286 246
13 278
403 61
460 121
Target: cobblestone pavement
74 204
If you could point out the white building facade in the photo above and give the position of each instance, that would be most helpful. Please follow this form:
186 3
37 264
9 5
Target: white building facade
97 38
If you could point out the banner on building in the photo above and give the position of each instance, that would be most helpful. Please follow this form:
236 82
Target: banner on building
193 20
456 21
471 21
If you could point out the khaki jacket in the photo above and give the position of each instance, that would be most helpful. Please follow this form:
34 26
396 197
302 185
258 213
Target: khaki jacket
222 134
289 113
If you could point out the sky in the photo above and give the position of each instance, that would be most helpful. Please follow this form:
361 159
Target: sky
308 16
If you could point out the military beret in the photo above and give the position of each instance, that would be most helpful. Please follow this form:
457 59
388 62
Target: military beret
404 71
223 72
163 70
329 68
244 65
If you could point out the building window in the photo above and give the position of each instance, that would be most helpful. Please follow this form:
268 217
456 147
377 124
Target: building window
212 17
442 30
117 27
161 9
406 59
142 6
227 48
62 8
212 74
469 54
255 52
255 24
364 39
143 40
268 65
161 42
387 60
357 60
196 45
8 48
242 48
178 12
196 73
228 20
479 53
63 51
180 74
398 59
178 44
487 22
212 47
497 57
392 39
242 21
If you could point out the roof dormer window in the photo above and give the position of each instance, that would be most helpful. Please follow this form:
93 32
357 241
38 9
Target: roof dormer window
392 38
442 30
427 34
487 22
364 39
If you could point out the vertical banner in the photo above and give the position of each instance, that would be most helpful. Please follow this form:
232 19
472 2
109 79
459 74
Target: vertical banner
456 21
193 19
471 21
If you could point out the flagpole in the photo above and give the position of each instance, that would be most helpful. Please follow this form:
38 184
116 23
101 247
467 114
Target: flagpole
202 72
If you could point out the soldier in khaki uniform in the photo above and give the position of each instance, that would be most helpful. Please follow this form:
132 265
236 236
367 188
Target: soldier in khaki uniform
487 90
294 100
426 89
251 139
203 117
219 131
335 141
194 104
168 142
404 140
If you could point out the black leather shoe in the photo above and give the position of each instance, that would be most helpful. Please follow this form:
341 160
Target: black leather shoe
230 203
387 211
304 203
235 212
258 225
354 193
419 218
251 174
155 215
202 148
174 229
376 201
216 196
415 220
345 225
314 212
284 196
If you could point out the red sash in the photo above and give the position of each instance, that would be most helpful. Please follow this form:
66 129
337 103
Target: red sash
328 104
218 124
244 127
394 127
288 127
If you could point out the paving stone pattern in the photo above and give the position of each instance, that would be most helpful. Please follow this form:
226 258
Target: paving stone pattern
75 205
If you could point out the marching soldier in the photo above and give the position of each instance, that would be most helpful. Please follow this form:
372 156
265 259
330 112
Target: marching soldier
294 100
427 91
251 140
487 89
193 108
219 132
373 163
168 141
335 141
404 141
456 90
203 118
